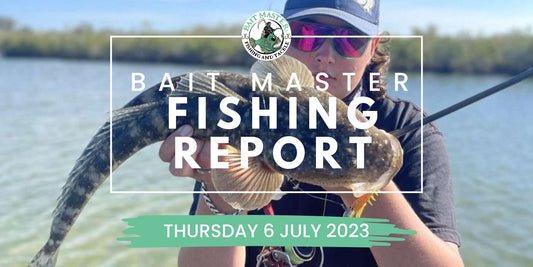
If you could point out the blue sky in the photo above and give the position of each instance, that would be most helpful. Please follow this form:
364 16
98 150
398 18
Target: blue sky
397 16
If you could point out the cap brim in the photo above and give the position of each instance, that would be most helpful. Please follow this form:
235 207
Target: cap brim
363 25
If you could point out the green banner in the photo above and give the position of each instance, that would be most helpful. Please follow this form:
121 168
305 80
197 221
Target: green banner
259 230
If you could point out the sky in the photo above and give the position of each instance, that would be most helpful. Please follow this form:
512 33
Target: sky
397 16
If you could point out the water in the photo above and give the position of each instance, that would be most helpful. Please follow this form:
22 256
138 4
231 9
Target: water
51 108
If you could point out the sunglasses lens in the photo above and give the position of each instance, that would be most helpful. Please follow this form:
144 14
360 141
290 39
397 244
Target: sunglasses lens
346 47
350 47
309 43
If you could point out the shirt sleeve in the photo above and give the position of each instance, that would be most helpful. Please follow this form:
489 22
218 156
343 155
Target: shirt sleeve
435 206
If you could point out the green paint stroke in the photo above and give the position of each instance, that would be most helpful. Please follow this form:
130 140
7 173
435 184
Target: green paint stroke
259 230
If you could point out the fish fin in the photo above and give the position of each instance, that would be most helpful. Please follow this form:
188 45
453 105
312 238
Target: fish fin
203 85
360 203
151 94
282 68
257 177
133 111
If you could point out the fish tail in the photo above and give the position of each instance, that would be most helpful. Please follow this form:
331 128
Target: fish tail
143 121
44 258
133 128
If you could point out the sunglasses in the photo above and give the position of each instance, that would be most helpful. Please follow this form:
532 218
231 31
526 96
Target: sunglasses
348 47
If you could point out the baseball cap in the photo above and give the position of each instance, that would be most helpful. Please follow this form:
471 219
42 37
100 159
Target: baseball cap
361 14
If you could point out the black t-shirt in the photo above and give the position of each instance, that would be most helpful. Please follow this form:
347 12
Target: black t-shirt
435 206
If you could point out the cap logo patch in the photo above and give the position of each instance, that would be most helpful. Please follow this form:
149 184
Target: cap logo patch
367 5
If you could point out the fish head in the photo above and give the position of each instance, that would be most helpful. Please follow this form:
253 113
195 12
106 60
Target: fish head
365 159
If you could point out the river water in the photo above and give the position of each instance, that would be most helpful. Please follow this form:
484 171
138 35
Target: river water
51 108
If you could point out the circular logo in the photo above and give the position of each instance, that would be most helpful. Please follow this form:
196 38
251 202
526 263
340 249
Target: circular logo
266 35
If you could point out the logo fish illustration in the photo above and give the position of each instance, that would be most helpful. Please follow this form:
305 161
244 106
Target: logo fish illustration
268 42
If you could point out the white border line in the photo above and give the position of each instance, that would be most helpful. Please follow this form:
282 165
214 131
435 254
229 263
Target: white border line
110 114
261 192
422 114
173 36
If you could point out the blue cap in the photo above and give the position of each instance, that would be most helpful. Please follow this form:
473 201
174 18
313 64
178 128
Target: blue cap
361 14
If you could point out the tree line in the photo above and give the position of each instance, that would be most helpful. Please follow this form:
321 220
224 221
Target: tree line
502 53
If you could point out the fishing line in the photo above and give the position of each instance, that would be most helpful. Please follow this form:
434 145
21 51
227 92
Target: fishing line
324 205
297 187
513 80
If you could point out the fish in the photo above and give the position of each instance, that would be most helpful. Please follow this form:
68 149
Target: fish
144 121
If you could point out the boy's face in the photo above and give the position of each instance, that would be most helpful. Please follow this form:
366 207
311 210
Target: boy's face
326 59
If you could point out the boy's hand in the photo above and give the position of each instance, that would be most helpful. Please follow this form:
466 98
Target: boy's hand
201 155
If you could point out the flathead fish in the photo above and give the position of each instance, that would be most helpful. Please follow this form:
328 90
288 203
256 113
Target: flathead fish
144 121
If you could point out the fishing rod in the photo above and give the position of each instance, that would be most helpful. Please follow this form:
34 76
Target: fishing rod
513 80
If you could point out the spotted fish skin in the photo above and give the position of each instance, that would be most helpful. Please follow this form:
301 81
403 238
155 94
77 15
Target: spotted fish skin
144 121
141 122
383 156
134 127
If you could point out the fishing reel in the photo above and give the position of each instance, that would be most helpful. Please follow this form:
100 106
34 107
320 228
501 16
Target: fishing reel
285 256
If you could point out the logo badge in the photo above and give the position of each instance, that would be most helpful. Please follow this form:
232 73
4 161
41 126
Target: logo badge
266 35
